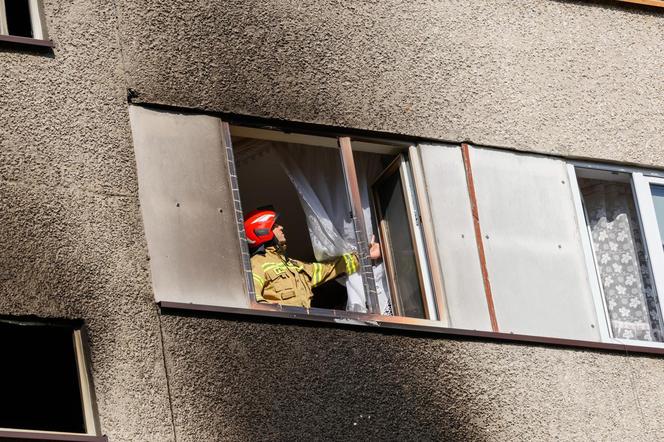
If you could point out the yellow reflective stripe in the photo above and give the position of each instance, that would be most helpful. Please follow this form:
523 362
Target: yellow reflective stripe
260 281
350 263
271 265
317 273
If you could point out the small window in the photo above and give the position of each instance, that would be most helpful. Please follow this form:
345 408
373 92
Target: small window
43 379
21 18
627 278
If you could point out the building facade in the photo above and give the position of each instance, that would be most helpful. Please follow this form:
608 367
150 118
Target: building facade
571 82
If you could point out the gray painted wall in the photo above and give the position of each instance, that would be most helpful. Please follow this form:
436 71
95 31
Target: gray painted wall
562 77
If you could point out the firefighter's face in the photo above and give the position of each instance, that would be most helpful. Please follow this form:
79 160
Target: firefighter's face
279 233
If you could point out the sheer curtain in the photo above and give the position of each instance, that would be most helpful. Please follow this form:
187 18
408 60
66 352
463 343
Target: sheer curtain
634 311
318 179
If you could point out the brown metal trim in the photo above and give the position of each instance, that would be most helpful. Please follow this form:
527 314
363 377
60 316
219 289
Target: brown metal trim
48 436
376 322
478 236
27 41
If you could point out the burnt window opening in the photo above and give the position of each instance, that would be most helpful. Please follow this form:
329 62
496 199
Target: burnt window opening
307 178
39 378
18 18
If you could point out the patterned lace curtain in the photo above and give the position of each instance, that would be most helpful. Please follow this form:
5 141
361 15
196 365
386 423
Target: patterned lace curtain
620 257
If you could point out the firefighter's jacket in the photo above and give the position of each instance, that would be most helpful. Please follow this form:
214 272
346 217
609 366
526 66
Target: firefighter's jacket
281 280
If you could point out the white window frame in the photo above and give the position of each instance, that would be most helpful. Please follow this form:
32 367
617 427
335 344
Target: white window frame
36 19
87 396
640 180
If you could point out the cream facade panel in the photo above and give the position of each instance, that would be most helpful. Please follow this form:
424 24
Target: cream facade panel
453 223
534 254
187 208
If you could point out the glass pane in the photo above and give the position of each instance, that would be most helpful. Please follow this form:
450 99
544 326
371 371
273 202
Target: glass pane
621 260
396 229
658 200
18 17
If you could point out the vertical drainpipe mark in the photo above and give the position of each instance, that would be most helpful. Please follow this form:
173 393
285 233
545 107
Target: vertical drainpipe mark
478 235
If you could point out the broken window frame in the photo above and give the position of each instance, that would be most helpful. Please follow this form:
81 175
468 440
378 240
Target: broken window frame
345 145
36 21
84 376
640 181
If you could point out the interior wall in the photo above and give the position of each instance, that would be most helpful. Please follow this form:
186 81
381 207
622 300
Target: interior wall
263 182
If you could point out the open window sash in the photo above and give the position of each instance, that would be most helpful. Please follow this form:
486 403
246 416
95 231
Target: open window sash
402 242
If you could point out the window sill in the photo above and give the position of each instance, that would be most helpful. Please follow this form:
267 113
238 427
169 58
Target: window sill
652 3
26 41
48 436
420 326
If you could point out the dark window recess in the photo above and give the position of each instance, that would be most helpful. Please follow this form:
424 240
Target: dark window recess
39 378
18 18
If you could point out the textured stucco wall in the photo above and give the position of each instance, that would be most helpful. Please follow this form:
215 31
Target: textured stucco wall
71 238
276 381
553 76
574 78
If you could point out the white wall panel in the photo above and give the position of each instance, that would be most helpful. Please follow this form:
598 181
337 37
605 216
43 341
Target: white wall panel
187 208
453 223
533 249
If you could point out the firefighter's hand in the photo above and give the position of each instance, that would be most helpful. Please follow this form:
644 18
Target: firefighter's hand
374 248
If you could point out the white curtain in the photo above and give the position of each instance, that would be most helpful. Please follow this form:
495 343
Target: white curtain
318 179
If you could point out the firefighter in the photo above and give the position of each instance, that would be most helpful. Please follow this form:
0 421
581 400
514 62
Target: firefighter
281 280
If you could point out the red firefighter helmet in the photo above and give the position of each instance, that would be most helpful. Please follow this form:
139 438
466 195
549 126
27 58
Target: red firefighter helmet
258 226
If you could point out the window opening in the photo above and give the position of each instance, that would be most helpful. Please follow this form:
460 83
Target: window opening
42 386
617 240
307 182
21 18
18 18
283 176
